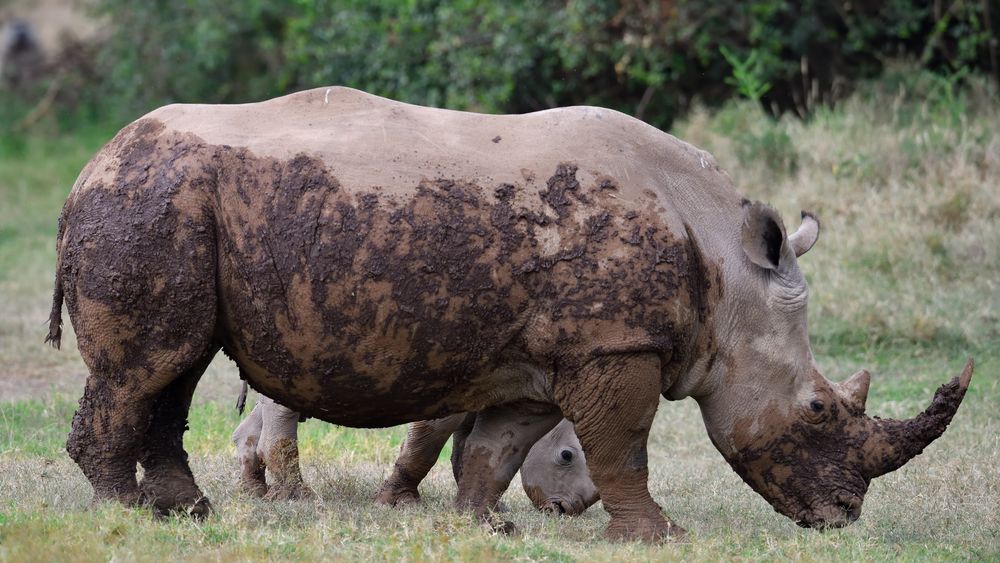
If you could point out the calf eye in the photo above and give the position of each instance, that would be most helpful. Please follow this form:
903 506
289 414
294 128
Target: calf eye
816 406
567 456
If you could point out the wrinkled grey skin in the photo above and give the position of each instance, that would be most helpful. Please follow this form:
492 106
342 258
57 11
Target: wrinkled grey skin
554 474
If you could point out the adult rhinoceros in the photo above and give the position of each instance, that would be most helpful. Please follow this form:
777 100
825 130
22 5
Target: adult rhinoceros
370 263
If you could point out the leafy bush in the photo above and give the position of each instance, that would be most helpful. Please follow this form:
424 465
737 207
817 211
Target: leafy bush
649 59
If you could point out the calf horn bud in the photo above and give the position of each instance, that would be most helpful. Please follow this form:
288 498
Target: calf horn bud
894 442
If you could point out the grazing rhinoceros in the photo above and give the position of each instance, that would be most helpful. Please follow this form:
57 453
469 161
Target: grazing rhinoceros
554 473
371 263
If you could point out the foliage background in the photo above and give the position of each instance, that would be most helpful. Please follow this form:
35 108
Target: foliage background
651 59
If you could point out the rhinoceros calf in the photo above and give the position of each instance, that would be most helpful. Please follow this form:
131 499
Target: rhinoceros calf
554 474
371 263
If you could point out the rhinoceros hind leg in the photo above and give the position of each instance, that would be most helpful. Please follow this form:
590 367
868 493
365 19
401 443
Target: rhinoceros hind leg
612 402
104 442
139 281
424 441
125 410
494 451
168 484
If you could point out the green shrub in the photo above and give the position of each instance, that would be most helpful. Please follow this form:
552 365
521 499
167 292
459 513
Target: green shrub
649 59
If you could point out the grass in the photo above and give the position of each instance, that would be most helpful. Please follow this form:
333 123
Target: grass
904 282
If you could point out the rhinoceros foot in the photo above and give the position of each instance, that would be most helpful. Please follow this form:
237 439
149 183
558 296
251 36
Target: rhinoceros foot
199 509
393 497
255 488
299 491
649 530
495 525
170 489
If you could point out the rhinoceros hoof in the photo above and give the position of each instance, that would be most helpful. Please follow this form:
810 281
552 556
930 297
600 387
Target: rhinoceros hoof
645 530
253 488
495 525
201 509
395 498
290 492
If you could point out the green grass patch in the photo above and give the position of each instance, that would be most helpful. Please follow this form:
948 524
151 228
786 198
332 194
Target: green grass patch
39 427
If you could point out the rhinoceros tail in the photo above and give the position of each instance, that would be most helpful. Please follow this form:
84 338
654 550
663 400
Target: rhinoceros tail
55 316
241 401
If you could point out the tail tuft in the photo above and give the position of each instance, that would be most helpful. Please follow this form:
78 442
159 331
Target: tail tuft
55 317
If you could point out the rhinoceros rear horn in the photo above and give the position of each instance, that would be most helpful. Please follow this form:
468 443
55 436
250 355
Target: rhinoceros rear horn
894 442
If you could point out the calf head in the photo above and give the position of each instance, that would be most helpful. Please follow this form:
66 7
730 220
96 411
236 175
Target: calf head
555 476
802 442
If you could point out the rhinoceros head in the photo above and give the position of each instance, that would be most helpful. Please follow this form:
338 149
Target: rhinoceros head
802 442
555 475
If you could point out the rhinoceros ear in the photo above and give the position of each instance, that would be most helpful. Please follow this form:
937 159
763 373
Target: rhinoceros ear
763 235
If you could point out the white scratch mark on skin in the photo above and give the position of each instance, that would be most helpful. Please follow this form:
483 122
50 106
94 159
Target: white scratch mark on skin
326 97
702 159
428 139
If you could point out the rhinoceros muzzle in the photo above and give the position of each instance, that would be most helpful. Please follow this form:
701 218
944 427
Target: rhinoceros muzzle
887 445
818 475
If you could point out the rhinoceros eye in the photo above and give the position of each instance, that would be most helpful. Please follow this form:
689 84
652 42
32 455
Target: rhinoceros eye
566 455
816 405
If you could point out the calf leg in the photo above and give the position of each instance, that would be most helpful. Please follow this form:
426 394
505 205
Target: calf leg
167 481
612 402
247 437
495 449
458 445
279 448
420 450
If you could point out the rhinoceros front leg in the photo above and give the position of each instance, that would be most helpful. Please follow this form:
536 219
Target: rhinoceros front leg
612 402
246 437
493 452
279 448
418 454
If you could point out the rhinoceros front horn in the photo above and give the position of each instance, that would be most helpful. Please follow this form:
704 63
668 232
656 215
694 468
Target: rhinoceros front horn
894 442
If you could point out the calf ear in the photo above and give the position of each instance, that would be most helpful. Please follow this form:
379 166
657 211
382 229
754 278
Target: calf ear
763 235
804 238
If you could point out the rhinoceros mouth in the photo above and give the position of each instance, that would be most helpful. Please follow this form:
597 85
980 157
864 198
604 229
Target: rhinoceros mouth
562 506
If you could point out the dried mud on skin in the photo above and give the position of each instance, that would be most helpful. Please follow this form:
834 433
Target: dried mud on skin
364 306
829 463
